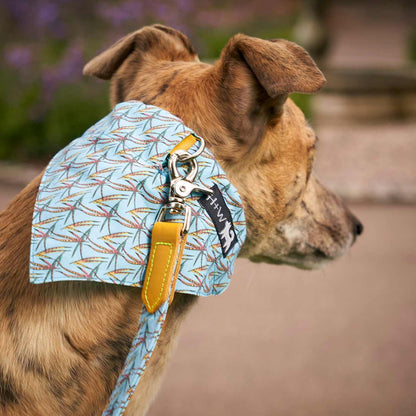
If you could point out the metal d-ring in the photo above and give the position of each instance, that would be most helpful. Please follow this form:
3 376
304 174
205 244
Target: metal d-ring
186 156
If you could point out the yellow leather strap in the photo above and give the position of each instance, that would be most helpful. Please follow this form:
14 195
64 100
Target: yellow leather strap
163 264
178 266
185 144
165 254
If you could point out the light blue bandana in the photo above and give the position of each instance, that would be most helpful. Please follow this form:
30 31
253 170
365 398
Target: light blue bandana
97 203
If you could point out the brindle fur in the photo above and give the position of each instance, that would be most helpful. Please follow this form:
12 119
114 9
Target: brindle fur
63 344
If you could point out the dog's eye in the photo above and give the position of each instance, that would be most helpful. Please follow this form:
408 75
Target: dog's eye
312 146
316 142
312 140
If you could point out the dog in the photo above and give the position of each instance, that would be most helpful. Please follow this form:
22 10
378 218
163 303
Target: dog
63 344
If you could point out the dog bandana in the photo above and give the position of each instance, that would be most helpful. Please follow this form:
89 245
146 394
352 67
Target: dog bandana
95 214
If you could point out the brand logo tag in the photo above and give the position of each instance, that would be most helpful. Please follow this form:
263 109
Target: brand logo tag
221 217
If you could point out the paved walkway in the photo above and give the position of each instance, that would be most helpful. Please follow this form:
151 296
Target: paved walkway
370 34
369 162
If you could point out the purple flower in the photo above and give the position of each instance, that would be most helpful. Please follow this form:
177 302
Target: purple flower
18 9
68 70
70 66
161 11
117 14
18 57
185 6
47 13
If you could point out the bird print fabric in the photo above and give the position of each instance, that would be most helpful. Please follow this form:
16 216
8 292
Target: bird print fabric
97 202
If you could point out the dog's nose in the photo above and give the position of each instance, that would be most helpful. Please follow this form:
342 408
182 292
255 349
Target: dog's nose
357 226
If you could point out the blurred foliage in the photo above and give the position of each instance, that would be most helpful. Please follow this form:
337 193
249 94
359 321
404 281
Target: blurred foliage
45 102
412 46
305 103
30 130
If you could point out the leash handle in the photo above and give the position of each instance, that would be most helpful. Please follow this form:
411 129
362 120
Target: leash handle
165 257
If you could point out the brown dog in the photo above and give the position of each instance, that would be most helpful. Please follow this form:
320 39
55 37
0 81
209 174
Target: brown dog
63 344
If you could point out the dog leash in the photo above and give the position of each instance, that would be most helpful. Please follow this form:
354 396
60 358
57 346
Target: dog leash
167 246
137 200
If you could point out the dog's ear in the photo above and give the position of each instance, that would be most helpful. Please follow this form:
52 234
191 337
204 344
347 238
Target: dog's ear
256 77
280 66
157 41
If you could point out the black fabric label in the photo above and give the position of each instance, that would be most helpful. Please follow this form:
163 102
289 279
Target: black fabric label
221 217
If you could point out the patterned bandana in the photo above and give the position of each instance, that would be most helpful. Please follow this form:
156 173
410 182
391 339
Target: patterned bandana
97 203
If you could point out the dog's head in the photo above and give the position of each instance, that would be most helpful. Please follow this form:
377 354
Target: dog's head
240 105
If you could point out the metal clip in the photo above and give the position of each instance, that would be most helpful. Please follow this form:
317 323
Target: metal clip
181 187
178 156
